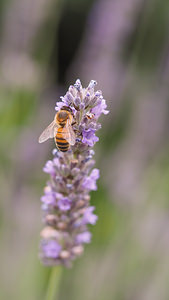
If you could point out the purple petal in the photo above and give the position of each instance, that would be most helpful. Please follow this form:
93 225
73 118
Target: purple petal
48 199
64 204
59 105
95 174
84 237
51 249
89 217
49 168
100 108
89 137
89 182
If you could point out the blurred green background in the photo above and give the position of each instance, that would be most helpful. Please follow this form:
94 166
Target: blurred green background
124 45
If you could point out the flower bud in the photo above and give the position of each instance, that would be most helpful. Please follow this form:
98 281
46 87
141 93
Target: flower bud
64 254
49 233
77 250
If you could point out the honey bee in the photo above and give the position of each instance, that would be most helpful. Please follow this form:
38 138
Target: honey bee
61 130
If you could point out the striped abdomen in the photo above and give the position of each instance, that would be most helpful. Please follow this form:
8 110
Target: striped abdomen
60 141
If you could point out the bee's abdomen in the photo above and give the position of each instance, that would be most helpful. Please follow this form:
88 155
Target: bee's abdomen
61 143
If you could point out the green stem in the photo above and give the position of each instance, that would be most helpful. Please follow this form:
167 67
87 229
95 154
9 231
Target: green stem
53 286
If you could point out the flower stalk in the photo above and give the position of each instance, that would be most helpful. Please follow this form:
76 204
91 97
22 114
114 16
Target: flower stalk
53 284
66 201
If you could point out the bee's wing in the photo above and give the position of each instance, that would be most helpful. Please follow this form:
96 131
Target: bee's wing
69 134
49 132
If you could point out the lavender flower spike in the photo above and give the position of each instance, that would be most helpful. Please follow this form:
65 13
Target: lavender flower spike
66 201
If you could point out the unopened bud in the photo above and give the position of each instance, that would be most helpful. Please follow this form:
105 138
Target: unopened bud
86 198
49 232
77 250
61 225
51 220
92 84
47 189
80 203
64 254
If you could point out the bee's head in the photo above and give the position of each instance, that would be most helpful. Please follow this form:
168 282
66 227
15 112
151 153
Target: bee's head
62 115
66 108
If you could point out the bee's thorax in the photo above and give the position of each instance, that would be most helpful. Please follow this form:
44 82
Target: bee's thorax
62 116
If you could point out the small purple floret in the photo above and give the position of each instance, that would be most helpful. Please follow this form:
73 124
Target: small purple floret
100 108
59 105
64 204
84 237
89 137
49 168
51 249
89 217
89 182
48 199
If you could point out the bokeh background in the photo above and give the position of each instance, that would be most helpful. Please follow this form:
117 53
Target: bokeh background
45 45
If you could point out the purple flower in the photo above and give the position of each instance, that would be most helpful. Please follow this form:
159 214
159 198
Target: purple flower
89 137
84 237
64 204
48 199
66 200
89 217
51 249
49 168
89 182
100 108
59 105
